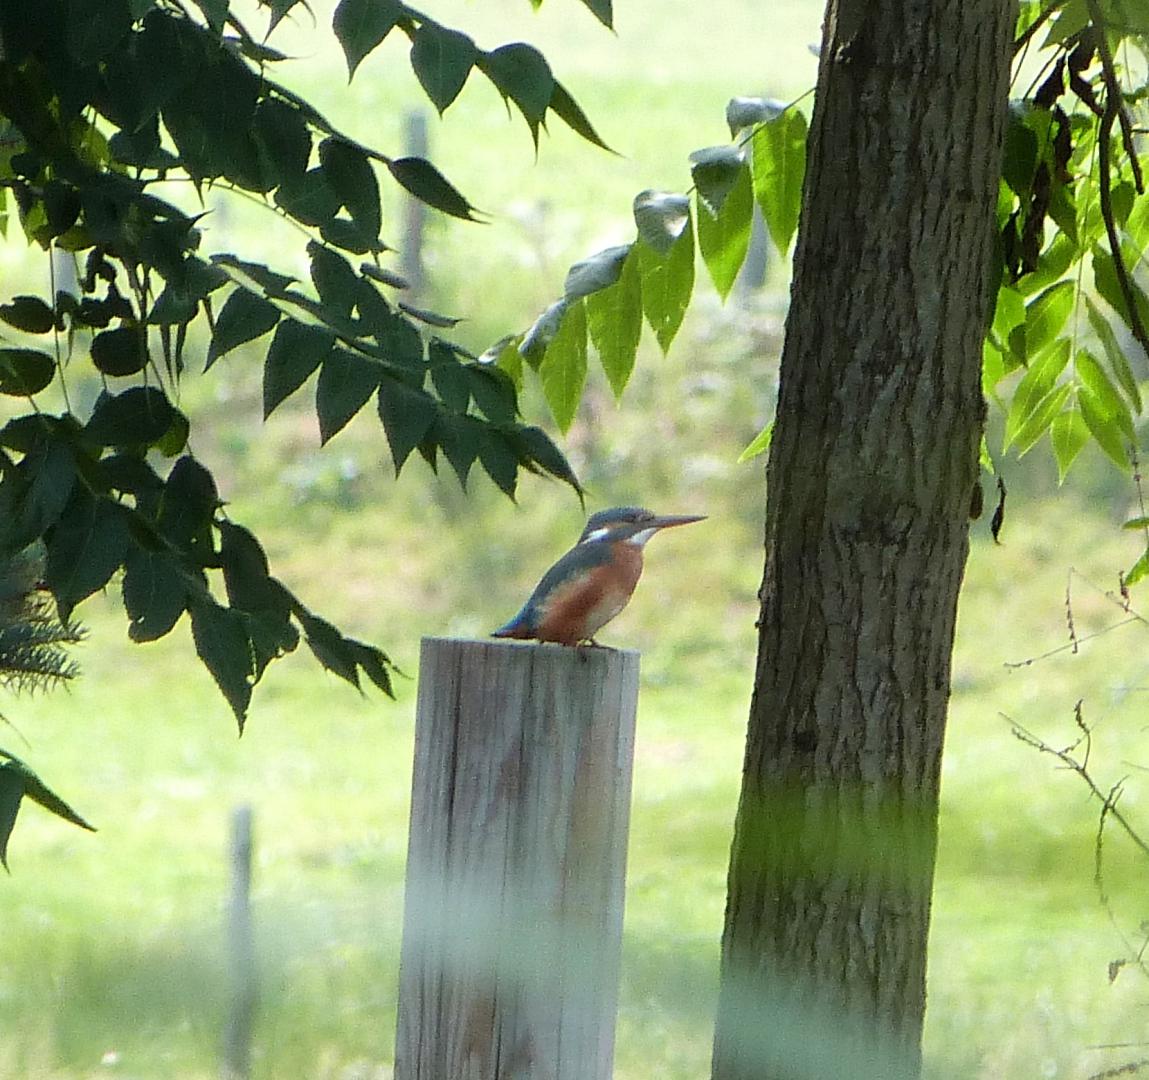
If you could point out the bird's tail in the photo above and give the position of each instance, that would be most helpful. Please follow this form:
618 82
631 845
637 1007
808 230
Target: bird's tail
518 627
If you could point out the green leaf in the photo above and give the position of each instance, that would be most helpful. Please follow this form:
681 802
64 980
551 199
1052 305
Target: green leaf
154 593
449 377
563 367
724 238
759 444
567 109
53 476
1038 421
600 271
123 351
431 318
538 449
28 313
542 332
1118 361
407 415
86 546
24 372
520 72
744 112
1034 389
715 171
427 184
360 25
1020 154
223 643
190 500
1093 377
614 318
493 391
1052 264
310 199
1068 433
778 166
346 381
1138 570
36 790
601 9
499 460
459 438
442 59
992 368
1008 315
335 280
1136 523
667 282
244 318
295 352
349 172
18 780
330 647
11 792
1106 281
661 217
140 416
283 139
1105 427
1046 316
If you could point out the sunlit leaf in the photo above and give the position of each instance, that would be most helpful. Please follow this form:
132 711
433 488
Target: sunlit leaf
759 444
724 238
1035 389
563 367
1118 361
614 319
778 164
1068 433
667 282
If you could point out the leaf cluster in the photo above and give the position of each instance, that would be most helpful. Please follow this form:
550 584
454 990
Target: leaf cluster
608 296
102 107
1073 229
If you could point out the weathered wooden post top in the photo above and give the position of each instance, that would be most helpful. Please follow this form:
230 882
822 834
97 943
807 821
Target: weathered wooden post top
516 861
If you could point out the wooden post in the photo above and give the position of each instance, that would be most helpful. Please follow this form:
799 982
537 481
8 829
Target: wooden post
512 928
241 952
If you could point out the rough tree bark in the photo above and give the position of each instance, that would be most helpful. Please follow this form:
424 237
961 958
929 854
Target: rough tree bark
871 471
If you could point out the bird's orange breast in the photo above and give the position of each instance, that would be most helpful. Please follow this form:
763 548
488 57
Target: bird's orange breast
578 608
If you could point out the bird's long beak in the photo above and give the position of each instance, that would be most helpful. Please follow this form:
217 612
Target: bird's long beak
670 520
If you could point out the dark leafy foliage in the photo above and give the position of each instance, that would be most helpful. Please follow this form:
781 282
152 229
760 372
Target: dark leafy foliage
100 102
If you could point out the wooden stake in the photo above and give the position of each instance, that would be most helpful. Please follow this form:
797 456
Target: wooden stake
516 862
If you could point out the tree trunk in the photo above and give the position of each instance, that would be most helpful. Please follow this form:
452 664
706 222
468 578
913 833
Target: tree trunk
873 463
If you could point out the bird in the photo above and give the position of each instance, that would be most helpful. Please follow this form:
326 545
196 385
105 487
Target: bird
593 581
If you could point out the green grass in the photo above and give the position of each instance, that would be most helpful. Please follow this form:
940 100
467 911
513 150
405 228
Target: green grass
114 945
114 942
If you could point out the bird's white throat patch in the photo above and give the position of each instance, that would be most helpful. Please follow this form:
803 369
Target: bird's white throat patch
640 538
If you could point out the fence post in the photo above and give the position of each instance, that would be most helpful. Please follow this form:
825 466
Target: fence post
520 806
241 952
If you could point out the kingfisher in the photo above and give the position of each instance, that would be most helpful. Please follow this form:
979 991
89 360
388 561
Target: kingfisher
593 581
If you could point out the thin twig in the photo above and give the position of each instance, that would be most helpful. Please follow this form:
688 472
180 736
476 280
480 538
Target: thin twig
1113 92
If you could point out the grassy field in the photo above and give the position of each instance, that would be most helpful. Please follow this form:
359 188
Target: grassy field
114 961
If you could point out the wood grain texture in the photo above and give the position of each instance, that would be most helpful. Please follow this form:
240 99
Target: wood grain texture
516 862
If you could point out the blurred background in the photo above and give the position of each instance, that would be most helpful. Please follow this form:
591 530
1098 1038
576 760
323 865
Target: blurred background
115 951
